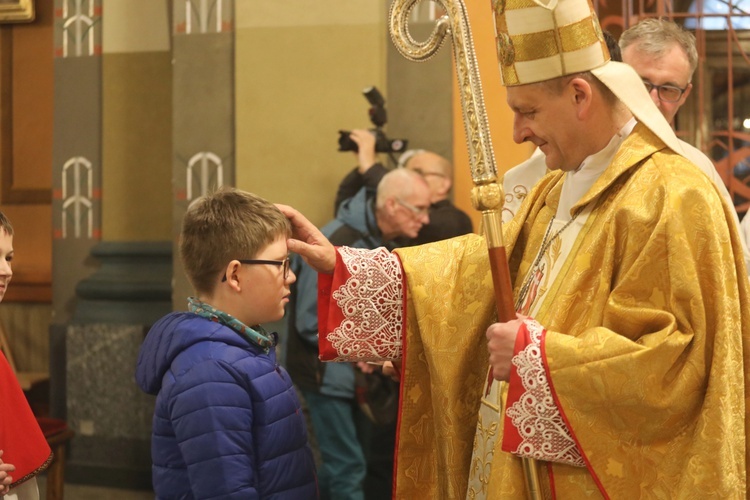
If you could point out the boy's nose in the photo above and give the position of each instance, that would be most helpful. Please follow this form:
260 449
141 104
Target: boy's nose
291 277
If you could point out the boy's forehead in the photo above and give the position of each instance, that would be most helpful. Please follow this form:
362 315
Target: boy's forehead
277 244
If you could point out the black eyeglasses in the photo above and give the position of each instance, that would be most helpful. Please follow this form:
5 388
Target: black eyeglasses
666 93
283 263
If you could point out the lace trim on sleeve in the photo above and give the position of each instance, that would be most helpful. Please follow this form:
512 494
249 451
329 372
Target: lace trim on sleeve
371 301
543 433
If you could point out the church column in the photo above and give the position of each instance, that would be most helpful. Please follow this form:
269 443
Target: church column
76 169
111 252
203 117
77 147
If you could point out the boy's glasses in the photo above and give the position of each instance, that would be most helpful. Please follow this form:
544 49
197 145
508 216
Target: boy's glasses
283 263
666 93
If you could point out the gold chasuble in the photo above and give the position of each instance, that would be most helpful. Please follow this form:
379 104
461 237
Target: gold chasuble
645 347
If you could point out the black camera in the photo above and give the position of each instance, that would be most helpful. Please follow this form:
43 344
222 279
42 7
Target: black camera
378 117
382 143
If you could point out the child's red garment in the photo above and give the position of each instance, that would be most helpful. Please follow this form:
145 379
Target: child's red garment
21 439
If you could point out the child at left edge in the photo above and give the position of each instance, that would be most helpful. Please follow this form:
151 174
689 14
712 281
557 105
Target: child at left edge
227 421
24 451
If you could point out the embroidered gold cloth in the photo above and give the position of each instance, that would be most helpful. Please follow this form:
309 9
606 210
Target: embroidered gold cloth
647 339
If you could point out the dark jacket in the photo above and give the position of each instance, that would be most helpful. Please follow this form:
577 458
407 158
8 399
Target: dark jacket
446 221
354 181
354 226
227 422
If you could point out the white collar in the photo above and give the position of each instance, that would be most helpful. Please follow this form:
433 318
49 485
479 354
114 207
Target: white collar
579 181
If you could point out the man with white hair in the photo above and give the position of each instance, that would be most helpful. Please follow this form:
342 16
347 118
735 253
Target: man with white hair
446 220
625 373
399 210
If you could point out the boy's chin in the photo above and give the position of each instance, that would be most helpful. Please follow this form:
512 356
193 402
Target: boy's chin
271 318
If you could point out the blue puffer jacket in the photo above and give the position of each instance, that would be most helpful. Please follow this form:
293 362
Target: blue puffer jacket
227 422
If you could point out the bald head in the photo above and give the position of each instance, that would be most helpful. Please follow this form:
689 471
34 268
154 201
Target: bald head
402 204
399 183
437 171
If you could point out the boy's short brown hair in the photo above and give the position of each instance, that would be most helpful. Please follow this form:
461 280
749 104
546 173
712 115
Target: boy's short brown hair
224 225
5 224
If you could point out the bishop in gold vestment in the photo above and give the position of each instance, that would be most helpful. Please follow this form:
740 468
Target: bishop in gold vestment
629 379
645 347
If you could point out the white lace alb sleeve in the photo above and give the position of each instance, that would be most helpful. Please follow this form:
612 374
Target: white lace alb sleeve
370 301
534 415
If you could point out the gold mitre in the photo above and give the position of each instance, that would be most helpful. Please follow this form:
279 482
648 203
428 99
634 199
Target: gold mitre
539 40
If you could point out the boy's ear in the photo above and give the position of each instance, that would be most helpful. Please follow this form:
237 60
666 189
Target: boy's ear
231 273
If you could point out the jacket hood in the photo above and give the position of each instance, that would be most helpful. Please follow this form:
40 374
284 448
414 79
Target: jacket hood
172 335
358 212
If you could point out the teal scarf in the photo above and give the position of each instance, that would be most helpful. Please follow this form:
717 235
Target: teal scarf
256 335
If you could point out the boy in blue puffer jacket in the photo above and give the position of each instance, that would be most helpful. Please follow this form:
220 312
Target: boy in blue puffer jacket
227 422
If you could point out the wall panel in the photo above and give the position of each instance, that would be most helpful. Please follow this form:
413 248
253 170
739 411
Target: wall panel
299 80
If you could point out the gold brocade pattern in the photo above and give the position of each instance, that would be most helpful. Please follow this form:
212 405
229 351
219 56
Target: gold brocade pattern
543 44
510 75
506 54
481 464
651 371
442 379
532 46
579 34
520 4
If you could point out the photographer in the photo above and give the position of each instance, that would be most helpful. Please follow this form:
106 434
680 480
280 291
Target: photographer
368 172
446 220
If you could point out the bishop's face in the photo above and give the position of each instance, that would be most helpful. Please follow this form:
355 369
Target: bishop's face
548 120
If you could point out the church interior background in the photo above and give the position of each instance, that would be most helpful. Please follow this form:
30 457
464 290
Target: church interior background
115 114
